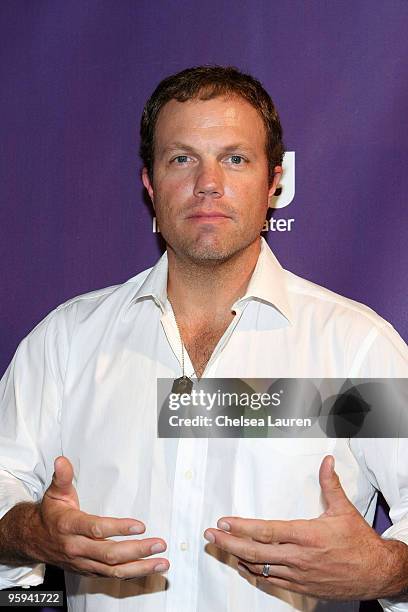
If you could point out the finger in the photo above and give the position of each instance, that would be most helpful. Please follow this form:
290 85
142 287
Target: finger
92 526
277 571
250 550
124 571
283 583
333 493
266 531
117 553
61 487
62 477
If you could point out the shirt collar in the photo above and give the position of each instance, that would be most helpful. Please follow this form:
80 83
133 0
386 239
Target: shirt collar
267 283
155 284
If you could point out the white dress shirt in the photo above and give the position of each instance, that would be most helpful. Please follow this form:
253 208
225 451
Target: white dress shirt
83 384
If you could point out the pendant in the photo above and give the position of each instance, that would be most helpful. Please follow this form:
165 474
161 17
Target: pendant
184 384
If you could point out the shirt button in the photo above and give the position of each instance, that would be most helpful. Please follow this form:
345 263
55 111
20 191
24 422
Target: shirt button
184 546
188 475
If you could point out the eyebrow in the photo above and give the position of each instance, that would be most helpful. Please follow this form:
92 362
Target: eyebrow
177 146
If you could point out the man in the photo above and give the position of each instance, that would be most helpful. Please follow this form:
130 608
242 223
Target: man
82 387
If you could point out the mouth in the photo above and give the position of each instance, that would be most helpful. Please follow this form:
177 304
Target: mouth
208 216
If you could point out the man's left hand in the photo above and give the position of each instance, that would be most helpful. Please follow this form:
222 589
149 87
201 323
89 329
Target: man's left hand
336 556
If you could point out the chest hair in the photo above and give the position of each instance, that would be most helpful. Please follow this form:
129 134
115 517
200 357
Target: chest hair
200 345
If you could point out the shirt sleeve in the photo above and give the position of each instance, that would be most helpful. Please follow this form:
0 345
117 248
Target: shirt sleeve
30 436
385 460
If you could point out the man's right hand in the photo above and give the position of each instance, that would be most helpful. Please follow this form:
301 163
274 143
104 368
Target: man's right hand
56 531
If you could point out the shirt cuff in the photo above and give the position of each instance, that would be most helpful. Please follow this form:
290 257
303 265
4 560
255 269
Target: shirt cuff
399 531
12 492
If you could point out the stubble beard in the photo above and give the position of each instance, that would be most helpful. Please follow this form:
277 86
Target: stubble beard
208 253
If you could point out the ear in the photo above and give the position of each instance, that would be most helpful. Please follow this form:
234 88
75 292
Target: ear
147 183
277 171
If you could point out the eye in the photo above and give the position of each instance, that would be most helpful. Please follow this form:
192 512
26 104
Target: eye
180 159
236 159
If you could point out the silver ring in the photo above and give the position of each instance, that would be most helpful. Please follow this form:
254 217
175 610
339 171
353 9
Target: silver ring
265 570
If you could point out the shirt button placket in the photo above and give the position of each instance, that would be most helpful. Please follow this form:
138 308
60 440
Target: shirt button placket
186 537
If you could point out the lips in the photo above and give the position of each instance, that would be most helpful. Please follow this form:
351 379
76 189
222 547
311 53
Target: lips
208 215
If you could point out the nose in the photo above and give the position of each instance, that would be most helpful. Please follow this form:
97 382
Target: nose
209 181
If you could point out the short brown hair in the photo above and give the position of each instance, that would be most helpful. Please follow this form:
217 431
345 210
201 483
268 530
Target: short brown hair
204 83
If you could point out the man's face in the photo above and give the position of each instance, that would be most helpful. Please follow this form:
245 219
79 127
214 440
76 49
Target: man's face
210 177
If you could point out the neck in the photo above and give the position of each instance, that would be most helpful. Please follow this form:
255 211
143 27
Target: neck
206 291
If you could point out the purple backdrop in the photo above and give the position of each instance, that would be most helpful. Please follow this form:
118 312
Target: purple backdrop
74 76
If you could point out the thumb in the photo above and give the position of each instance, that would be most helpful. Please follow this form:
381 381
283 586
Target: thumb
335 499
61 486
